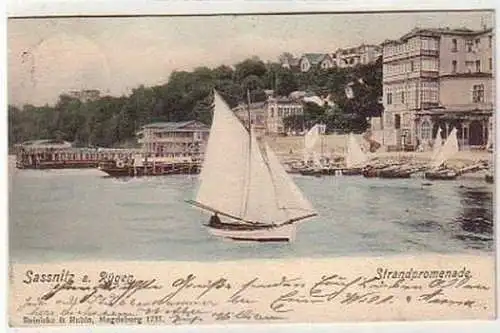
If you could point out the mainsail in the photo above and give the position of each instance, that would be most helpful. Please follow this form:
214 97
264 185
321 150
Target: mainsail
447 151
355 156
244 181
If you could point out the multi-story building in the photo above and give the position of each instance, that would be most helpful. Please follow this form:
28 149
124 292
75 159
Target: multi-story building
174 139
363 54
438 78
257 115
279 108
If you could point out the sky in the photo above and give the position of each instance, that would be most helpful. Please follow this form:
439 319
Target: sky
48 56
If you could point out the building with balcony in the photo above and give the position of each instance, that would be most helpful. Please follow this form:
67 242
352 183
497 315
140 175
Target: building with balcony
279 108
438 78
174 139
360 55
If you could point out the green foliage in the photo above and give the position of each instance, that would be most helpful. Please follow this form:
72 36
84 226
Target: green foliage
113 121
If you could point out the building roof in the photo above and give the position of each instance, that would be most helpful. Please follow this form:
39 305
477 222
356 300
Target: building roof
172 125
46 142
436 32
181 126
315 58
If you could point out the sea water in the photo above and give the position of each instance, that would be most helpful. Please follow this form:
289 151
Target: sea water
82 214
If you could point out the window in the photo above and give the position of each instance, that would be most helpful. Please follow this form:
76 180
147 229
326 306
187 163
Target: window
454 47
491 64
477 42
454 66
272 112
469 65
478 93
425 130
469 45
397 121
412 66
478 66
402 97
389 98
490 41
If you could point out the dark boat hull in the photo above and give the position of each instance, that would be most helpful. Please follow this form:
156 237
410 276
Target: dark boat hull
158 170
253 232
58 165
394 174
440 175
352 172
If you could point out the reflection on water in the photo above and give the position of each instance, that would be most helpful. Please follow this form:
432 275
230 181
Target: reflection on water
476 219
78 214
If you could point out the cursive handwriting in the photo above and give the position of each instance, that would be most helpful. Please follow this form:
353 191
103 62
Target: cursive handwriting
189 299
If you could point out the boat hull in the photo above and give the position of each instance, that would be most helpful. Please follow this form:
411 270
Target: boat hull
283 233
157 170
441 175
352 172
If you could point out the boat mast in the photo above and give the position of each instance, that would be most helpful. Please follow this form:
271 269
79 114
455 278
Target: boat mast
249 164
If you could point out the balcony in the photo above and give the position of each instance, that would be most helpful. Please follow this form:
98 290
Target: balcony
430 53
433 74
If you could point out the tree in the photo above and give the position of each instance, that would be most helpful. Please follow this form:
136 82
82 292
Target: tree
113 121
286 82
248 67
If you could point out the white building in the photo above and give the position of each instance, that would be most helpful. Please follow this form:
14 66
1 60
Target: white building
174 138
437 78
279 108
359 55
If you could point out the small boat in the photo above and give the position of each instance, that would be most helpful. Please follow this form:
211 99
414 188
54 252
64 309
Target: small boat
244 185
445 152
396 172
443 174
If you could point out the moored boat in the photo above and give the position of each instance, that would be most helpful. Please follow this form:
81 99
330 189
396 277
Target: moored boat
355 159
440 156
130 168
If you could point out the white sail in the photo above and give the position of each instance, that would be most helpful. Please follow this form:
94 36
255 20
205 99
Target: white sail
261 202
437 143
225 162
312 137
290 199
355 156
447 151
238 180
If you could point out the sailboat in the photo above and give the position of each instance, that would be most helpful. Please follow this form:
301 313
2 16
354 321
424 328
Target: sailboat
355 158
245 186
313 159
447 151
436 147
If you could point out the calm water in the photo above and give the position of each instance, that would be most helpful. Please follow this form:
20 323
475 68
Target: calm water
79 214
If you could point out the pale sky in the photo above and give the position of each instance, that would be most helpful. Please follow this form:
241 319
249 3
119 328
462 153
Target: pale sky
49 56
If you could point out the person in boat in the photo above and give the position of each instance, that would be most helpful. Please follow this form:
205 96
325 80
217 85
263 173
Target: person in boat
214 219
